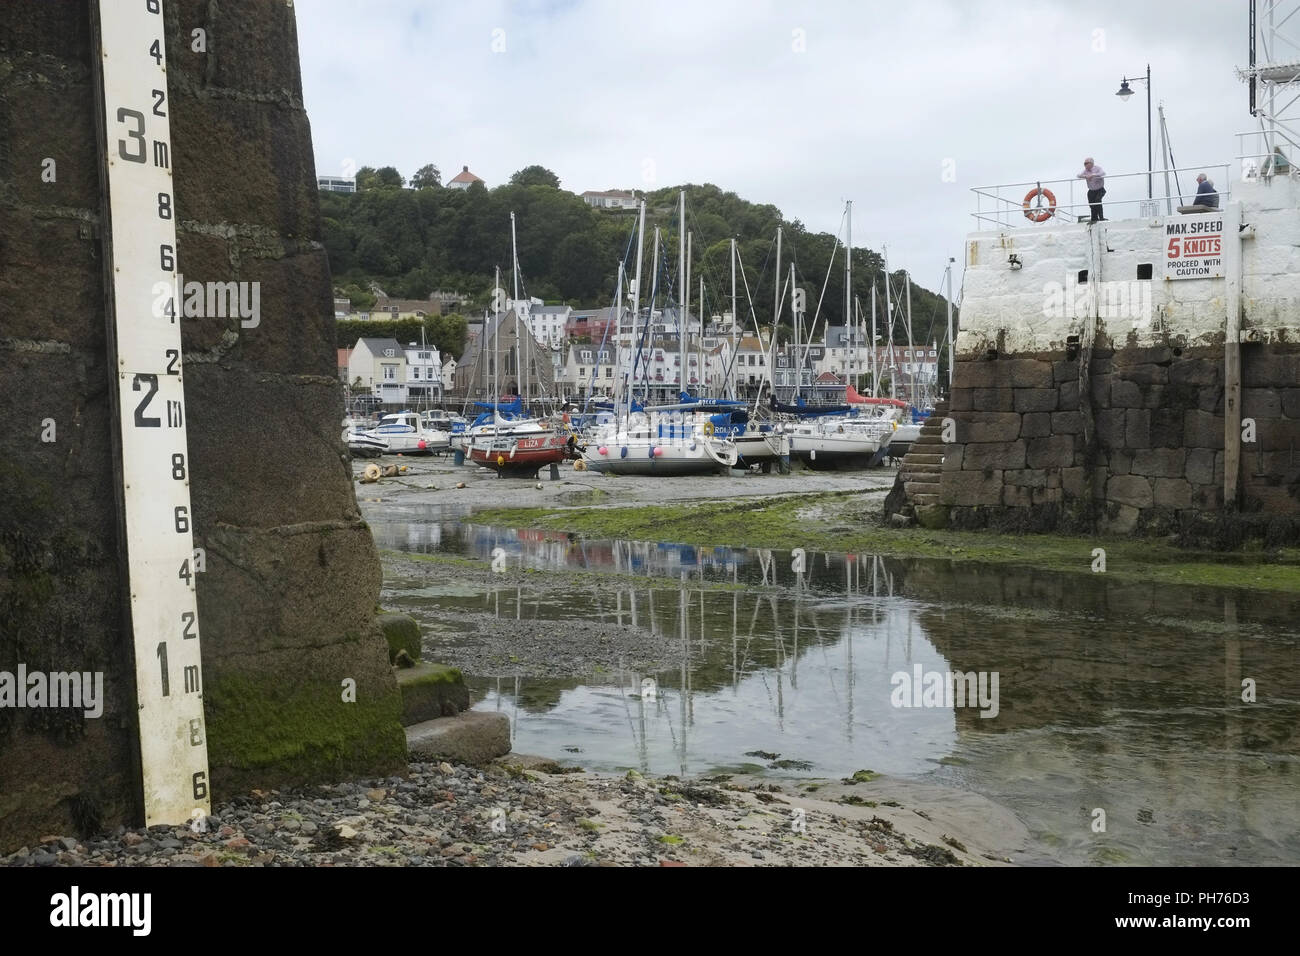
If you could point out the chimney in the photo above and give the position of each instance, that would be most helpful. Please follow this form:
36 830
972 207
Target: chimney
464 169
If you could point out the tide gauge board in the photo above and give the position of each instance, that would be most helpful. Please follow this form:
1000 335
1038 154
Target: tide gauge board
152 456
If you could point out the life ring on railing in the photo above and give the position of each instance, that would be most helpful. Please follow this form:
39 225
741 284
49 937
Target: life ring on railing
1039 214
708 429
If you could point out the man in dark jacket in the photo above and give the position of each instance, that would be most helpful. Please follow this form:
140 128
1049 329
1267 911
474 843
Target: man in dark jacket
1205 194
1206 197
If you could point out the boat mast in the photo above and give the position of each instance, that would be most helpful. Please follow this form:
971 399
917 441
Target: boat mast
636 304
731 384
889 321
848 276
686 294
496 350
683 291
519 358
948 276
699 343
650 315
794 318
907 279
618 311
875 370
776 305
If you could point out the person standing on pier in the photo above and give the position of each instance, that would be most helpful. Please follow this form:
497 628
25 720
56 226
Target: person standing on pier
1096 179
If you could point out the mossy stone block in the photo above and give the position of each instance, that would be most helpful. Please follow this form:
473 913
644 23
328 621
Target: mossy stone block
431 690
402 633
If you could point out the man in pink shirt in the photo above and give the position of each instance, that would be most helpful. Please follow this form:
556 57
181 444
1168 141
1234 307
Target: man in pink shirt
1096 179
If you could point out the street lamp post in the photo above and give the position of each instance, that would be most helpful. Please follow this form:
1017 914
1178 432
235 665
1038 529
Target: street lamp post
1124 93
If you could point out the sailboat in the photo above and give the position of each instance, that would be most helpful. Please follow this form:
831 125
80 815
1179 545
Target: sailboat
667 440
831 437
504 438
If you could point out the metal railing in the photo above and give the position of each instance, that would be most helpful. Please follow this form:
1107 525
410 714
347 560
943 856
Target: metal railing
1265 153
1002 205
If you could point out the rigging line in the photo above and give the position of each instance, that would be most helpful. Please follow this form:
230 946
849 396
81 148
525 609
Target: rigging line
767 358
825 282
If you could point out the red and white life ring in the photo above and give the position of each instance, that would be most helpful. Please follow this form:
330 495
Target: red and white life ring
1039 213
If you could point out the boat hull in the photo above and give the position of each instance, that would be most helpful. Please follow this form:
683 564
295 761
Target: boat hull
767 446
835 450
523 455
709 456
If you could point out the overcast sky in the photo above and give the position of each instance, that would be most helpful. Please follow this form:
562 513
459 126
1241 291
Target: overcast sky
900 107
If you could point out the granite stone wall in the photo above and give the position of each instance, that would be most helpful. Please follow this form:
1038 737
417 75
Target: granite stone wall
287 600
1134 442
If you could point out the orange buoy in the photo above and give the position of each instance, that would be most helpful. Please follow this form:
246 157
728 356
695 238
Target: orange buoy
1039 213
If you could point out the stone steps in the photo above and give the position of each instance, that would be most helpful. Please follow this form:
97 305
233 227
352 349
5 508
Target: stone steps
921 470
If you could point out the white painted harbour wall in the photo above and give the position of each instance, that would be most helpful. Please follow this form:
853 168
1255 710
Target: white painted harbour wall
1014 310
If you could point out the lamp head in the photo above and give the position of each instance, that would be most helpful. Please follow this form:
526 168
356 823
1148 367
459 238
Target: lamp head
1124 92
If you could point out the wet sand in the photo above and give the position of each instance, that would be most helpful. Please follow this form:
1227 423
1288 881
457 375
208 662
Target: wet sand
432 481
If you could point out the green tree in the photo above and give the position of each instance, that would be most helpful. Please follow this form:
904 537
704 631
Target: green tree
535 176
447 332
360 299
370 178
426 177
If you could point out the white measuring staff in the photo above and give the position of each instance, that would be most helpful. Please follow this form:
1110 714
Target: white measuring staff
135 145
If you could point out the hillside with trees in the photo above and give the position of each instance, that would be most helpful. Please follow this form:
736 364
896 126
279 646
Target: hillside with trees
411 241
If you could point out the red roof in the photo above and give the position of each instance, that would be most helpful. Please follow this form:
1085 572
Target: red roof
465 176
829 378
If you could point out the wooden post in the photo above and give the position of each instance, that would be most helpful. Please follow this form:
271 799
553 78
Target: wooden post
1232 356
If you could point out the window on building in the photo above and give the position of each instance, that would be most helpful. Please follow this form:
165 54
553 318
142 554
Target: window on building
415 371
609 373
390 373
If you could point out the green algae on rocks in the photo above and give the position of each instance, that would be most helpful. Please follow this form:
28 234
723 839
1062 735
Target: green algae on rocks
847 521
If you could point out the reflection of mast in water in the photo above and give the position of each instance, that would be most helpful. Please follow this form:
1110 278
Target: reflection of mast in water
850 566
638 740
514 719
519 603
683 614
735 608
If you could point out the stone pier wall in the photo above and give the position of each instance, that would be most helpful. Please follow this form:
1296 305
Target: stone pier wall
287 600
1136 444
1088 392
